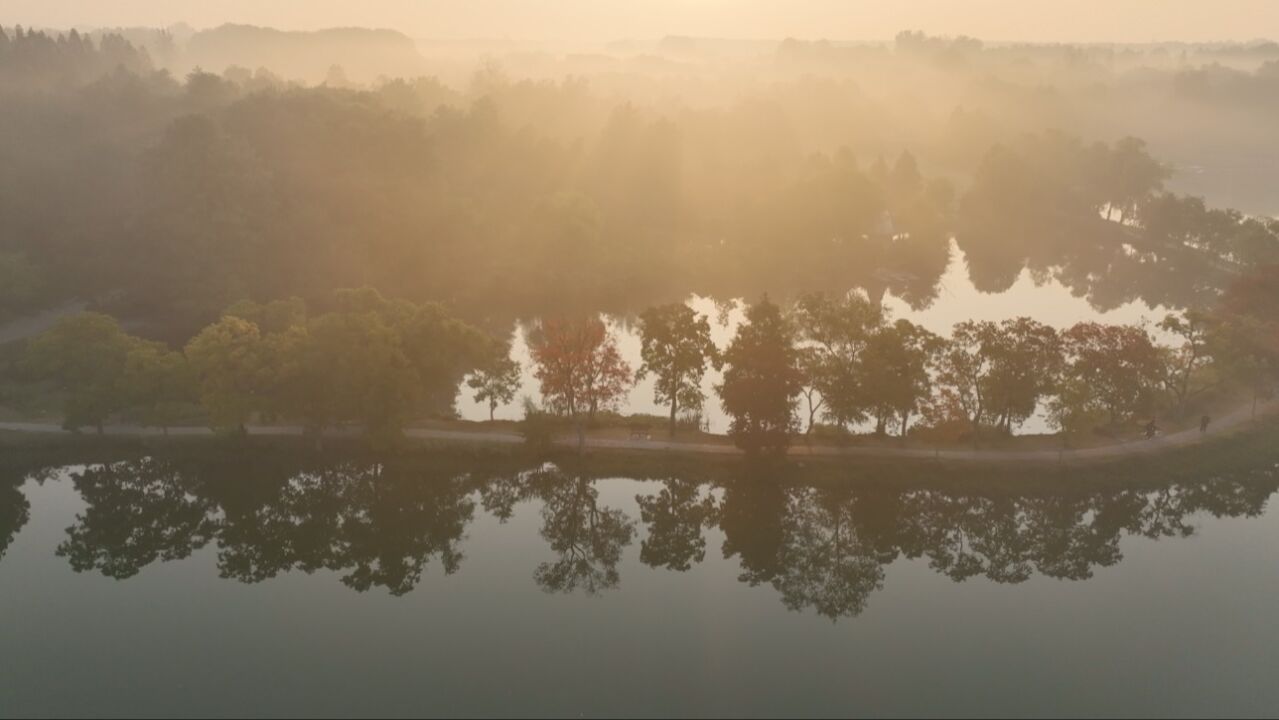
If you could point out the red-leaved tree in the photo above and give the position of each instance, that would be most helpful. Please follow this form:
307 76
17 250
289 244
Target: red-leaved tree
579 367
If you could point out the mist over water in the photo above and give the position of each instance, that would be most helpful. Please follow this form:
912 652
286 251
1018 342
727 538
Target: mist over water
670 358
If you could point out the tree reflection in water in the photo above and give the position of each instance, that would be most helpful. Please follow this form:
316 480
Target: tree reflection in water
821 547
15 510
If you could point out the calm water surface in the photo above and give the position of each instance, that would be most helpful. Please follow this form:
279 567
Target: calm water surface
154 587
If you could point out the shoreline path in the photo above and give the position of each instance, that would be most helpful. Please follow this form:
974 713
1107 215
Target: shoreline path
1223 425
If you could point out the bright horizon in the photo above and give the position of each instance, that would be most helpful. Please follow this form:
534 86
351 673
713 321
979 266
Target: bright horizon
1121 21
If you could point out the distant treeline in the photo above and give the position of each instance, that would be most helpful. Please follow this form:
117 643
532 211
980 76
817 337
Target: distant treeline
165 201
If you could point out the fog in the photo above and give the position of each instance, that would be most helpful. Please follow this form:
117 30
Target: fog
454 178
605 20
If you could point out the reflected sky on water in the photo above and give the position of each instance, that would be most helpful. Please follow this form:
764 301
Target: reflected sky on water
236 586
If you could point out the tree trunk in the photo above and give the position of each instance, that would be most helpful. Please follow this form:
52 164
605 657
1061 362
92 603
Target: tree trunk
674 406
492 408
905 424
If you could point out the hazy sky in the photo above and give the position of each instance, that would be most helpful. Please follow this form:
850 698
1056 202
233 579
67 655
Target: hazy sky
1040 20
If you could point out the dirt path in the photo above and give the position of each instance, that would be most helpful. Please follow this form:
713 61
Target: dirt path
1225 425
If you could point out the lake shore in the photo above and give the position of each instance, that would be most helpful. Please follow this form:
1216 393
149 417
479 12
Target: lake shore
463 434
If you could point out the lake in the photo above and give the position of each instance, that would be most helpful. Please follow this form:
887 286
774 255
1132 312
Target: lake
259 584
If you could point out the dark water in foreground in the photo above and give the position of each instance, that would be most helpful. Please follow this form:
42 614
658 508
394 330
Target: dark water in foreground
161 587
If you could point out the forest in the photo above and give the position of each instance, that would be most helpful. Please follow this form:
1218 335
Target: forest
166 199
212 222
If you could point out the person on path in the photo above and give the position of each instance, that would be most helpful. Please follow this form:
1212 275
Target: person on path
1204 422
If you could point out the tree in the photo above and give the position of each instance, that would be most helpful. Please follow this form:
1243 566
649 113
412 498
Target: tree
1186 364
675 517
271 317
496 382
964 365
587 538
1247 333
1130 176
897 372
136 513
1109 369
1025 364
1247 353
828 562
372 361
85 355
761 381
441 348
579 368
814 375
835 332
230 364
15 511
354 369
676 348
158 383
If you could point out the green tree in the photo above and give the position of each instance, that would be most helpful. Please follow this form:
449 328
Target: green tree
373 362
230 363
1188 366
85 355
897 371
496 382
761 381
158 384
676 348
838 331
814 375
1115 369
964 367
350 367
1026 359
441 348
271 317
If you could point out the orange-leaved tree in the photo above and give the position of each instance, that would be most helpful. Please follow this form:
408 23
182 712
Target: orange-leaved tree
579 367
